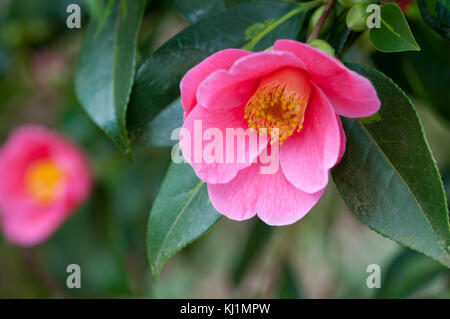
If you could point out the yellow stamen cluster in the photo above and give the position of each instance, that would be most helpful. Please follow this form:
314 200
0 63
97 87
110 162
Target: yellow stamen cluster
43 181
274 107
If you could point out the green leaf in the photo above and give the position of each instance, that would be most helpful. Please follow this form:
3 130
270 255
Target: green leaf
388 176
106 68
339 34
180 214
157 82
231 3
436 14
394 34
408 273
194 10
428 81
159 131
255 33
95 8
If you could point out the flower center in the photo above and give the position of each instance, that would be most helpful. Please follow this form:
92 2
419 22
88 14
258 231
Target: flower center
279 103
44 181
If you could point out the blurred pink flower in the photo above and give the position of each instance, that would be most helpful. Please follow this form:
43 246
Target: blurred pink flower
43 178
293 87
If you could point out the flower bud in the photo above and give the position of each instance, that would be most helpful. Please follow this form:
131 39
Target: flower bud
316 16
357 18
322 45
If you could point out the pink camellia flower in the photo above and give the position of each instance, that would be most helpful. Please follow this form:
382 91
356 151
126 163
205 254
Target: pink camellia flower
293 87
43 177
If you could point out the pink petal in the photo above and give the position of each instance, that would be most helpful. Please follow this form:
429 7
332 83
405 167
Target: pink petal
307 157
189 84
276 201
351 94
219 120
29 228
343 140
232 88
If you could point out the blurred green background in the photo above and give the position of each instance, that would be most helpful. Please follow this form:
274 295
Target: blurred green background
325 255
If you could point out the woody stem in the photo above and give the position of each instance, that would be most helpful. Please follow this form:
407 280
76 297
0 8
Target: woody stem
323 17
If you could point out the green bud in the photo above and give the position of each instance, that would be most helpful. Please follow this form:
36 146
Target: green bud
316 16
357 18
322 45
350 3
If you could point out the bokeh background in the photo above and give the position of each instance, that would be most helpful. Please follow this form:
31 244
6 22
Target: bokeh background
325 255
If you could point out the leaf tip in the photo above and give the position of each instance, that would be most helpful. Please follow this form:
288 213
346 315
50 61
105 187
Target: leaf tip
155 272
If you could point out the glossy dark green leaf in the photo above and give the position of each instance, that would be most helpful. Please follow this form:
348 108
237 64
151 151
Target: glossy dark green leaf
160 130
388 176
231 3
339 34
446 180
106 67
181 213
427 81
406 274
194 10
157 82
95 8
394 34
258 237
436 14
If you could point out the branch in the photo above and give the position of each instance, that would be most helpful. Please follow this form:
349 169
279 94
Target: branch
323 17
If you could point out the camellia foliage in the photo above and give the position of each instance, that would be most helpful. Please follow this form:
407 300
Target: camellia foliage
337 87
387 177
